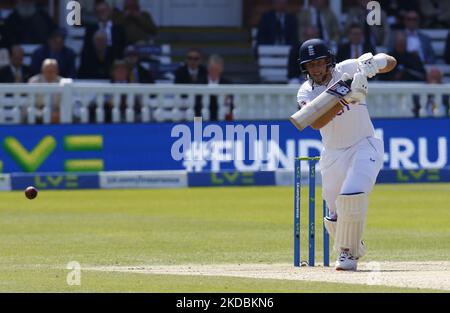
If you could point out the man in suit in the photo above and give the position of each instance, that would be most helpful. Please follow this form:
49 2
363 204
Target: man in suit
321 16
215 71
115 33
28 24
436 13
97 65
277 27
16 71
418 42
294 74
138 73
447 49
356 46
138 25
376 35
192 72
409 65
55 49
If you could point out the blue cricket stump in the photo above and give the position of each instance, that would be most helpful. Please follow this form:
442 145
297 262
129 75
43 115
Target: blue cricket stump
312 209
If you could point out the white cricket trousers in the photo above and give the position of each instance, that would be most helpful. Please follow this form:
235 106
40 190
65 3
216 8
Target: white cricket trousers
350 170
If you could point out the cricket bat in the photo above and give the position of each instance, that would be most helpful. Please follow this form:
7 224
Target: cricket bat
322 103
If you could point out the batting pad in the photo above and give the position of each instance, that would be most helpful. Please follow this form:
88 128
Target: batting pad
352 213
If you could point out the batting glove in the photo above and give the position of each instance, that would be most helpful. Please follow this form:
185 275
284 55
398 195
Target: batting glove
367 65
359 87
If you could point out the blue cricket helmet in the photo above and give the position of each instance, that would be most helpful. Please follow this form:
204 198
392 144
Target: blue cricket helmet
314 49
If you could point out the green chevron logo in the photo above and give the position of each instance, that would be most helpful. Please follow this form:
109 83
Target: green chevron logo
30 161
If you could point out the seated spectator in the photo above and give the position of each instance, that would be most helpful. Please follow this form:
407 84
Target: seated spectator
16 71
115 33
55 49
321 16
138 25
431 108
378 34
277 27
3 38
98 64
396 10
27 24
119 75
294 73
138 73
436 13
418 42
49 74
447 49
409 66
215 71
192 72
356 46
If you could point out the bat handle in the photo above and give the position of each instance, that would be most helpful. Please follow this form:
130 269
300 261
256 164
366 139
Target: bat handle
348 81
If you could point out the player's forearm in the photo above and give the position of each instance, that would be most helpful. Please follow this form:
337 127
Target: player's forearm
386 61
327 117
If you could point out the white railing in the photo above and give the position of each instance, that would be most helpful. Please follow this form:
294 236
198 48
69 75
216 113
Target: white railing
29 103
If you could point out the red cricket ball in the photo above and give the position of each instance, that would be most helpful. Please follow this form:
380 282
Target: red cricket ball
31 192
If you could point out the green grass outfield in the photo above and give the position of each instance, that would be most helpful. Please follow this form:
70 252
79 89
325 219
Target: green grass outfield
199 225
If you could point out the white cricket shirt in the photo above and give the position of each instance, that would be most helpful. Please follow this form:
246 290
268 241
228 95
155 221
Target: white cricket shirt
352 123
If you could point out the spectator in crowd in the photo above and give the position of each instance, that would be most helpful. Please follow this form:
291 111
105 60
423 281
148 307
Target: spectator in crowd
55 49
277 27
294 74
16 71
418 42
98 64
409 65
436 13
49 74
27 24
88 17
215 71
119 75
356 46
115 33
321 16
138 25
138 73
431 108
396 10
192 72
375 35
3 39
447 49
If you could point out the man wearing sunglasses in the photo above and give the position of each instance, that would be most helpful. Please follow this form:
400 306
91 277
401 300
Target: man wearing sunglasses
192 72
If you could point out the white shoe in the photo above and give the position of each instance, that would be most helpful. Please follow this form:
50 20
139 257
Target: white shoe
346 262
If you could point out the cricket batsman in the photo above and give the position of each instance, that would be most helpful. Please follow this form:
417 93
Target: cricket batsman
351 157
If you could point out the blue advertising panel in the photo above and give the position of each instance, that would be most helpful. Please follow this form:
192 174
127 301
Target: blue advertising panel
410 144
55 181
227 178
